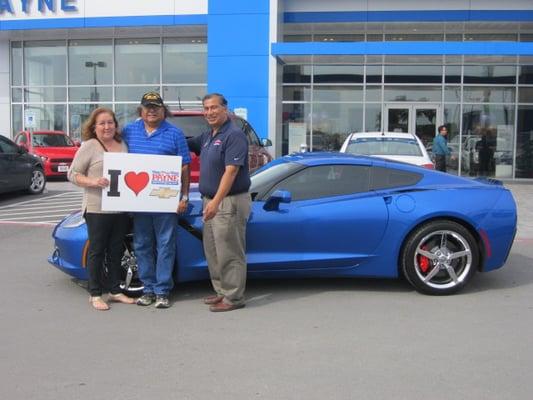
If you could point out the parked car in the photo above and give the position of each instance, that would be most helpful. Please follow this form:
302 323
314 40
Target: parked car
193 124
339 215
396 146
55 149
19 170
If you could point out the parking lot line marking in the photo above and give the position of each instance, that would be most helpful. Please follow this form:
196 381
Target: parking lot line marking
45 207
44 224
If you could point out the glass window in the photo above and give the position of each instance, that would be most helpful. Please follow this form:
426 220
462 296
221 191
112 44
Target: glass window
45 63
296 93
452 119
127 113
333 122
372 117
7 147
326 181
16 95
452 94
414 37
295 127
524 143
87 93
185 60
40 94
16 112
413 74
137 61
90 62
489 74
338 93
488 94
16 63
338 73
184 94
413 93
339 38
79 114
452 74
297 38
488 132
49 116
374 74
491 37
525 94
133 93
373 93
297 74
385 178
525 74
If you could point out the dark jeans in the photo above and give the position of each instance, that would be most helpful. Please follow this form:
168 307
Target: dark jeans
440 163
106 237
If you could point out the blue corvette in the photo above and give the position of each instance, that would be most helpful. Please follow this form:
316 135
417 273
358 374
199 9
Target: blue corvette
338 215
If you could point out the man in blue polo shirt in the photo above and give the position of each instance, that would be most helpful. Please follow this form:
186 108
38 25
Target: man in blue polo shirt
154 234
224 184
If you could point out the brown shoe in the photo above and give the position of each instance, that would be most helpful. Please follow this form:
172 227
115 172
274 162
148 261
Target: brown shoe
214 299
221 307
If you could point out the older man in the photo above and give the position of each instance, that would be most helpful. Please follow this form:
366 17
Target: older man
224 184
154 234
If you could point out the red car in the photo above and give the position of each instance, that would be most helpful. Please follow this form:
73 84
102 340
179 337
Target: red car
193 123
55 149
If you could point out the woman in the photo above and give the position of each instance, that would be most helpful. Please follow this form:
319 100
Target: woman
106 229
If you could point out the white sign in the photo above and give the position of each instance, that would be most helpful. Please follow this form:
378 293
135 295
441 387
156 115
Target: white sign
241 112
30 120
141 182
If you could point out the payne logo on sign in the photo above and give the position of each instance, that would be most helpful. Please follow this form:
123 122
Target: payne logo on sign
135 187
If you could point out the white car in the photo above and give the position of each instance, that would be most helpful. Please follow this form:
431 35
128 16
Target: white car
390 145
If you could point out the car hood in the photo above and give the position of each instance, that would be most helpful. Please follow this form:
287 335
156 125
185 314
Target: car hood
68 152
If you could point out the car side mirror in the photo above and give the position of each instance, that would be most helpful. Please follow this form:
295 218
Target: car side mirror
77 143
266 142
22 149
279 196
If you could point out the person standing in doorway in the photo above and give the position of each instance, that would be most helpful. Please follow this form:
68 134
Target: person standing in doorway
154 234
440 148
224 184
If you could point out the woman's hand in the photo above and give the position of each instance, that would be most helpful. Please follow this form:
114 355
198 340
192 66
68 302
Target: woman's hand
100 182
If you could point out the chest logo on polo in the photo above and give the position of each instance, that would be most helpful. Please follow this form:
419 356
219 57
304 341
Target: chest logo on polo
217 142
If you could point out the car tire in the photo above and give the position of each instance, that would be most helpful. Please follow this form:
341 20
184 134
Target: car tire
37 182
439 258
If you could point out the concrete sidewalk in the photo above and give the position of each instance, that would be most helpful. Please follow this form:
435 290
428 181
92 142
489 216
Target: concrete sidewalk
523 195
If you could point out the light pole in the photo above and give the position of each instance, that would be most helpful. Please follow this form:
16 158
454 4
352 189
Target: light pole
94 65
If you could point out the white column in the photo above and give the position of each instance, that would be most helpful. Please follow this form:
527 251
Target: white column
274 80
5 109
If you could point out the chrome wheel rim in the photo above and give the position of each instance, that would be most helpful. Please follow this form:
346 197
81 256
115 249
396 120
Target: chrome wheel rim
443 259
37 181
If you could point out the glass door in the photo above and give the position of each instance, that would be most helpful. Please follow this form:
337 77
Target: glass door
419 119
398 119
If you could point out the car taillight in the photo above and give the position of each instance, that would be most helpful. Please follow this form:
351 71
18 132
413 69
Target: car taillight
428 166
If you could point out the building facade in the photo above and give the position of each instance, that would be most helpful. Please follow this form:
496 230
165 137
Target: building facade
301 71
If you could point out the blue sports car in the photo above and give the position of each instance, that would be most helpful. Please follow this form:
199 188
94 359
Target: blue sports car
338 215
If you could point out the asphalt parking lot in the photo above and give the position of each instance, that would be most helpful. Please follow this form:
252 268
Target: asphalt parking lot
298 339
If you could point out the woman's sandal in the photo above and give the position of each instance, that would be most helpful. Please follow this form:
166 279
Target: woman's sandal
98 303
121 298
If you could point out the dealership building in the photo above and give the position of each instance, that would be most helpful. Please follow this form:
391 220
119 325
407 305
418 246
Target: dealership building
301 71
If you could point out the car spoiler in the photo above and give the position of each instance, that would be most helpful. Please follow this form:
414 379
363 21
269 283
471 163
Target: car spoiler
489 181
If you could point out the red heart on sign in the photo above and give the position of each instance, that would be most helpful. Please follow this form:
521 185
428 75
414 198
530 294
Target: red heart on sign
136 181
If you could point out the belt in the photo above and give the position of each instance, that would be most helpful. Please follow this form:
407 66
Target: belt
228 195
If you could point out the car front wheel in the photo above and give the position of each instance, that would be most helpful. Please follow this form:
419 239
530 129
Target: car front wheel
440 257
37 182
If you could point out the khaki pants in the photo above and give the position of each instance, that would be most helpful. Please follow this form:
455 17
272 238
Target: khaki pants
225 247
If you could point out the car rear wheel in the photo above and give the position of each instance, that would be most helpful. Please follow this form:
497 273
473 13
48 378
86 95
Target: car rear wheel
38 181
440 257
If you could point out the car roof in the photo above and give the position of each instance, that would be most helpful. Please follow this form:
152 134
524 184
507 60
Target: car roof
47 132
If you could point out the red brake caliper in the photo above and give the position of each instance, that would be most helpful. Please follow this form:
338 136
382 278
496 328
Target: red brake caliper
423 261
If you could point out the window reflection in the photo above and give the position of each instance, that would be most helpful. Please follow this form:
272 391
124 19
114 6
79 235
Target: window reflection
184 60
45 63
137 61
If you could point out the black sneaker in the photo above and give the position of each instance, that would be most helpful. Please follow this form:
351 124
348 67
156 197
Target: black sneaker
146 299
162 302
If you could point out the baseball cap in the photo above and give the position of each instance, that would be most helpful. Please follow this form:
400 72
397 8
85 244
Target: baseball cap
152 99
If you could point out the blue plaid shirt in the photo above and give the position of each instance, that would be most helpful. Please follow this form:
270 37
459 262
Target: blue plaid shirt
165 140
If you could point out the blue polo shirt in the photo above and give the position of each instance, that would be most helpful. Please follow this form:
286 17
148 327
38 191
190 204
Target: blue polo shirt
228 147
165 140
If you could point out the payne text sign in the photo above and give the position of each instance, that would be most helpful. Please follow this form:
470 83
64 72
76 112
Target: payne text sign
141 182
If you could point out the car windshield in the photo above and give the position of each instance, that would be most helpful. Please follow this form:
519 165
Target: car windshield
191 125
384 146
51 140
